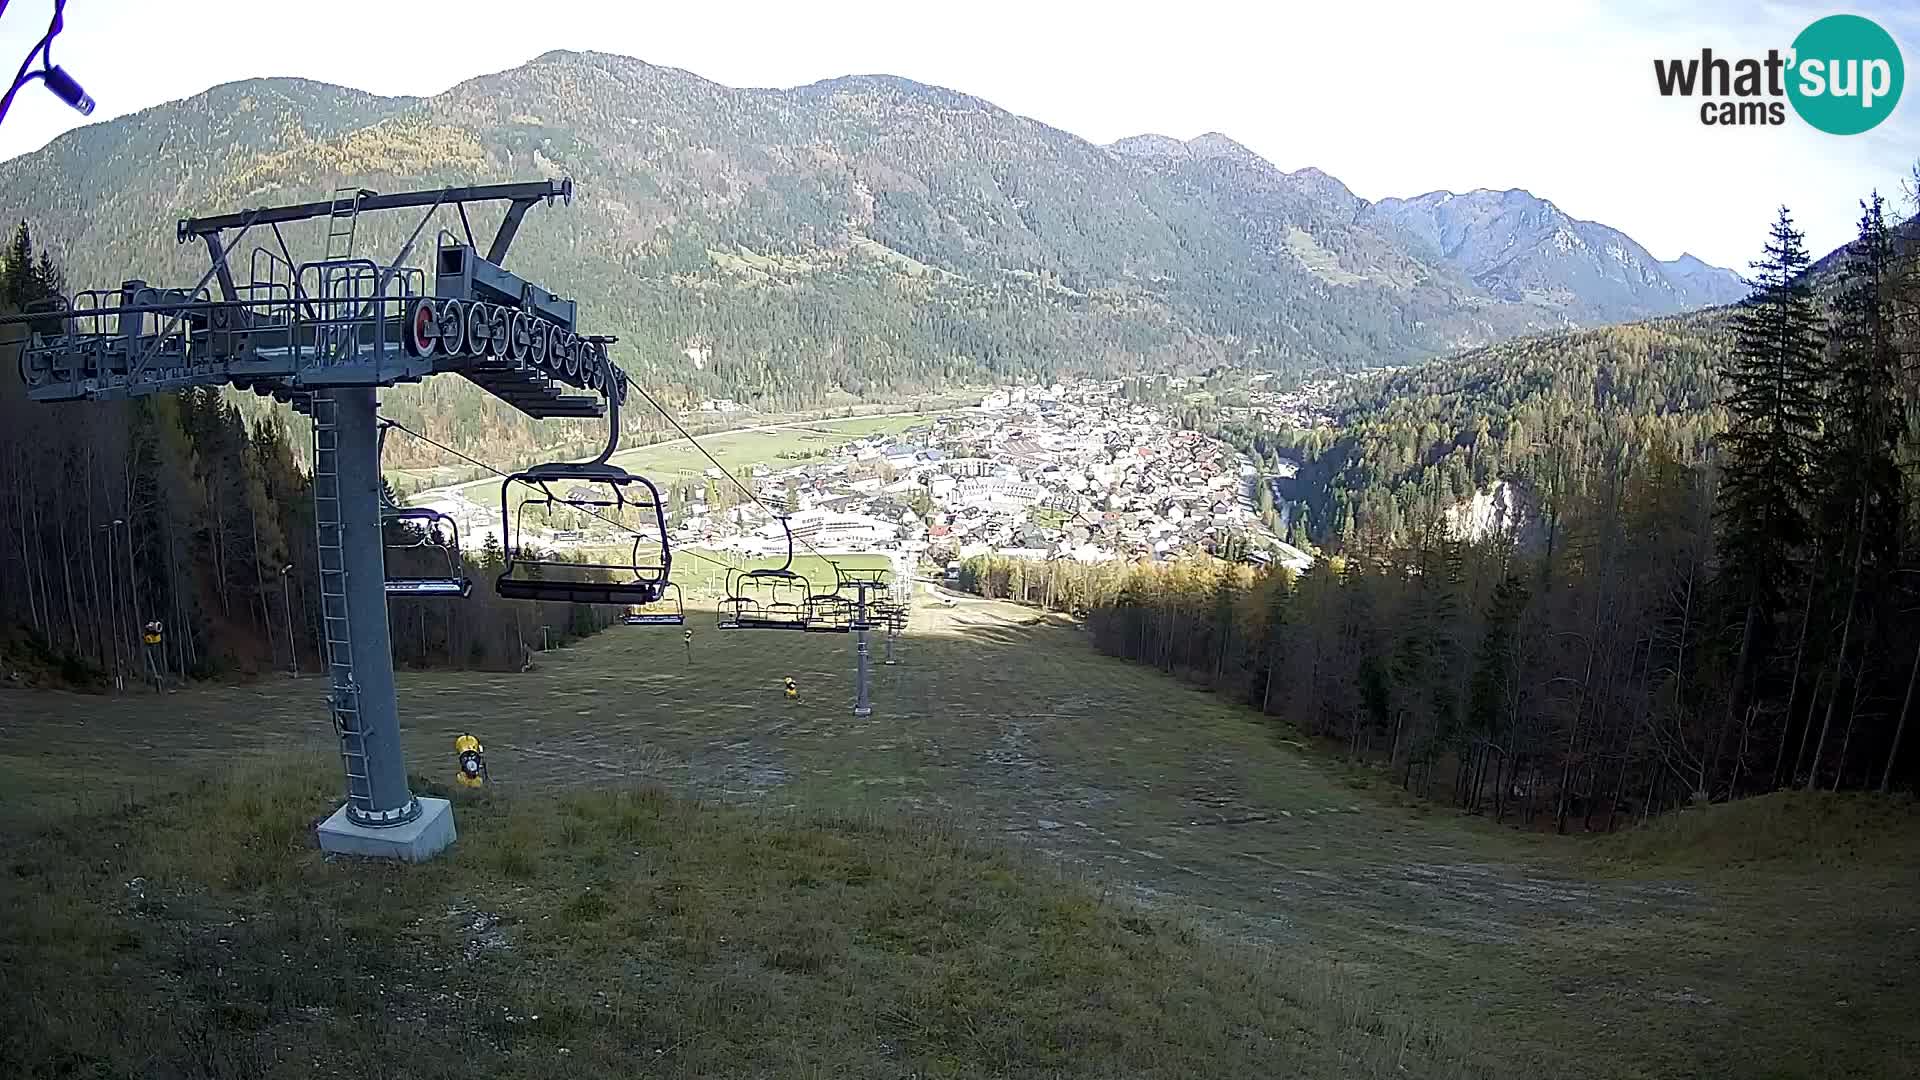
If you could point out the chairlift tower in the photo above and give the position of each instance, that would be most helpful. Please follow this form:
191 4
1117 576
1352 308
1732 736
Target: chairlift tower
868 584
781 598
895 614
325 335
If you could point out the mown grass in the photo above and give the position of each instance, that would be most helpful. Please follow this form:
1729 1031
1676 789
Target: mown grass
1786 830
625 933
1560 957
677 459
702 573
740 445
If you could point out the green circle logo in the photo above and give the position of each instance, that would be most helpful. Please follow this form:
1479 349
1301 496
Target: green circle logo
1846 74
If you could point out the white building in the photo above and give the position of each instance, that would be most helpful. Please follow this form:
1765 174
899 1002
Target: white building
998 494
1090 553
962 468
829 528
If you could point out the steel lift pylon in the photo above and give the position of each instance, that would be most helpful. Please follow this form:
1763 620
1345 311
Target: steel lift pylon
325 335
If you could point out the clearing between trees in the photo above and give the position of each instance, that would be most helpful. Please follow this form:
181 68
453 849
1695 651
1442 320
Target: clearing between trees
1031 860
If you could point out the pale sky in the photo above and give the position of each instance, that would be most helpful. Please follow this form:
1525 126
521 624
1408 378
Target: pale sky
1556 96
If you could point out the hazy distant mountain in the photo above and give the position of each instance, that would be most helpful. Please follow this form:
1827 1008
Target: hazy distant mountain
1523 248
861 236
1703 277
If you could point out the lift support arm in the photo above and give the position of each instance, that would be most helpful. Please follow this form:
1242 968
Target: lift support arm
521 196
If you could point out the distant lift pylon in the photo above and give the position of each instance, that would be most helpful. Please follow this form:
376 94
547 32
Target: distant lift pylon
325 334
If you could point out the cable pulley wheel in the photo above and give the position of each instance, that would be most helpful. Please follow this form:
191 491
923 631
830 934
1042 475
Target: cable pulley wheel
423 329
477 332
538 339
519 335
500 331
453 327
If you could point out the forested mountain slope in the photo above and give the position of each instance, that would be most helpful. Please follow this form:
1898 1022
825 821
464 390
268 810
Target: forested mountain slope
1529 410
1717 597
1549 412
860 237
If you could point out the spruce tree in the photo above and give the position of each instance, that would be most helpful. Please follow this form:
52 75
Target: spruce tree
48 279
1857 508
1773 384
1495 662
20 283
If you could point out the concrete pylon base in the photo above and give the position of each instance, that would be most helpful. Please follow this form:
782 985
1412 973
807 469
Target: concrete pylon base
416 841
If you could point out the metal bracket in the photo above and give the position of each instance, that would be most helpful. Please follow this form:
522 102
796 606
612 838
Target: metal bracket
509 226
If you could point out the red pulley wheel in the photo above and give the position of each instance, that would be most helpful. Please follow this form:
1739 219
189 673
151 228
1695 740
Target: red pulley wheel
423 328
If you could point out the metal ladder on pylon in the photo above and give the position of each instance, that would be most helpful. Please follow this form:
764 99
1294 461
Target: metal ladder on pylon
338 337
343 697
342 220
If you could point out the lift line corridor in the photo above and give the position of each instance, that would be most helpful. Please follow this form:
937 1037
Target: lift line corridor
324 336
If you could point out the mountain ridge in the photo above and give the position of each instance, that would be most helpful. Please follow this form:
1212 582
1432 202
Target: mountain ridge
1515 223
858 236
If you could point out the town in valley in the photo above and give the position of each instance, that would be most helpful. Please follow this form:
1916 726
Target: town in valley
1084 471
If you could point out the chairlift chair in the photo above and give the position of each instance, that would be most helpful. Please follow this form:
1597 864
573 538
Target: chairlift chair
829 613
731 609
777 598
427 537
532 575
423 525
773 599
783 615
666 611
867 582
876 579
890 614
599 489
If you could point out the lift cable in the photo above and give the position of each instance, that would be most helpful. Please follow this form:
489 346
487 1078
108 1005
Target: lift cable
744 489
588 510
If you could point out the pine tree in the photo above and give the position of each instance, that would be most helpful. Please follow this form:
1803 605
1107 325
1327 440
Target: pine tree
491 555
1488 690
20 283
1858 507
1773 401
49 279
1278 616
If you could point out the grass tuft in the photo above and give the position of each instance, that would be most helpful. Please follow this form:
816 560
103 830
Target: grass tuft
615 933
